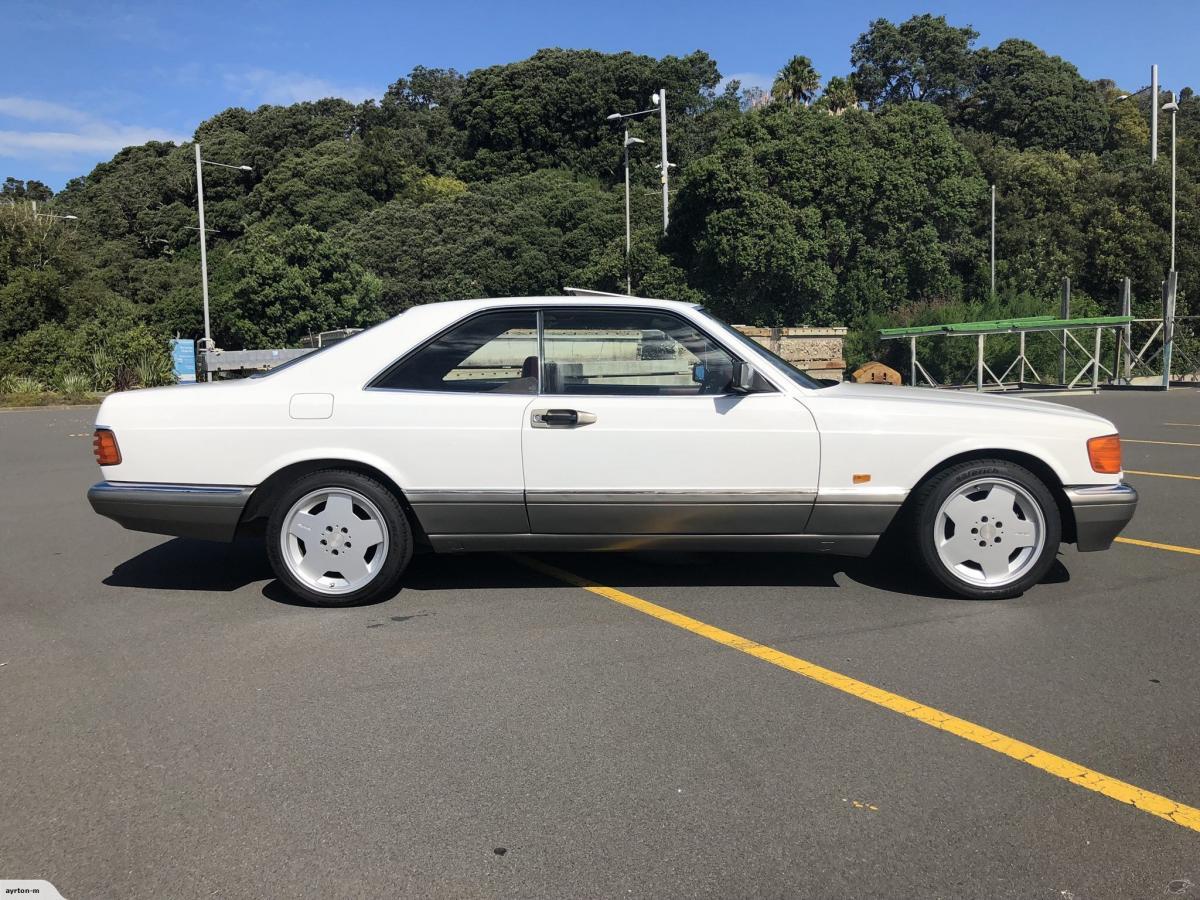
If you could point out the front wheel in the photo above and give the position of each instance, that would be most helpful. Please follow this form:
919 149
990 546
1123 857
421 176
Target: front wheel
338 538
987 529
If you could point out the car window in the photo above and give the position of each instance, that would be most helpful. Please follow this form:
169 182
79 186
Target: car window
797 375
637 352
494 352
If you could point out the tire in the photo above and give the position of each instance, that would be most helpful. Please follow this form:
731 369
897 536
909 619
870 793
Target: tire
338 538
986 529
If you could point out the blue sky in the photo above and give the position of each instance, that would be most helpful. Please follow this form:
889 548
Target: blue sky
80 80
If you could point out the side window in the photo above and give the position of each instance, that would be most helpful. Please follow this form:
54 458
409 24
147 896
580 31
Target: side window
495 352
636 352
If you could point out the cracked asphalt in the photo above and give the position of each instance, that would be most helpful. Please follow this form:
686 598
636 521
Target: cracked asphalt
171 726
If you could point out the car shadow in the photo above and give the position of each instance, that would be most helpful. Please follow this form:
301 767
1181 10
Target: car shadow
181 564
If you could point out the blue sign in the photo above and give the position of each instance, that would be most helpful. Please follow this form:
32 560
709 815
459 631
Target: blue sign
183 359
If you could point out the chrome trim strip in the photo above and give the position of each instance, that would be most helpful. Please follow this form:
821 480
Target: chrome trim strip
605 495
471 495
1081 495
860 495
166 487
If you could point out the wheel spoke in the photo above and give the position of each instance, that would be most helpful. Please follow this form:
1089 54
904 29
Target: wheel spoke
999 503
961 510
993 562
305 526
339 509
367 532
314 564
1020 534
958 549
352 566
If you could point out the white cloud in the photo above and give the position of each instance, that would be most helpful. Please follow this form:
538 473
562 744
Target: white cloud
270 86
78 132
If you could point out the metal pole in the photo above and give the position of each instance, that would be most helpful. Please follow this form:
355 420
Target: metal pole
1154 114
628 266
979 365
1126 307
1168 327
912 346
203 262
993 240
1174 109
1064 312
662 119
1021 377
1096 363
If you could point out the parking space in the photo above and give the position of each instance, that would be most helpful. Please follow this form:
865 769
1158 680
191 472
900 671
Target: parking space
173 726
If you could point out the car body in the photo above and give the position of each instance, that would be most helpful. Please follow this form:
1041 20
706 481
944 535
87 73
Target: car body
585 424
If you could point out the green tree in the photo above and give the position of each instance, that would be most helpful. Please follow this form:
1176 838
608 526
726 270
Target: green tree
797 82
838 96
1036 100
923 58
280 287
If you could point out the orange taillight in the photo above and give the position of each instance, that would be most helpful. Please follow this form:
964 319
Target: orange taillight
1104 453
104 445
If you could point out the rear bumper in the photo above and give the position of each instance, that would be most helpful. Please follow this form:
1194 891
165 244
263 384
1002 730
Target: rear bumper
1100 513
209 512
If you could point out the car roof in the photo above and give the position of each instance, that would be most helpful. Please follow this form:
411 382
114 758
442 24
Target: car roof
587 300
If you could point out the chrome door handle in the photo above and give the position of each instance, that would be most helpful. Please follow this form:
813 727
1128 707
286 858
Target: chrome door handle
560 418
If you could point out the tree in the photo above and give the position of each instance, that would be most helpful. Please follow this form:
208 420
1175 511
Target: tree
797 82
16 189
281 287
1021 93
923 58
838 97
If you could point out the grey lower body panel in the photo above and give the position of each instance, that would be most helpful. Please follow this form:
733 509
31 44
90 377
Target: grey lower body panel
477 512
669 512
1100 513
209 512
832 544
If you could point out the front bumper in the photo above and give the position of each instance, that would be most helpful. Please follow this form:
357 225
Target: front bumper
210 512
1101 512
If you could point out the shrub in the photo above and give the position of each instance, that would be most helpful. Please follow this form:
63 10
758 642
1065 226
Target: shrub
74 385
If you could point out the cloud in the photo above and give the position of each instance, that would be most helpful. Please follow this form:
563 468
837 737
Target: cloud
77 132
270 86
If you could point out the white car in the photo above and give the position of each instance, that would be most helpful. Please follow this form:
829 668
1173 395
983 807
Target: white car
561 423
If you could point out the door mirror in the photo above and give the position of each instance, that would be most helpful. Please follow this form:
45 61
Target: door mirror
745 380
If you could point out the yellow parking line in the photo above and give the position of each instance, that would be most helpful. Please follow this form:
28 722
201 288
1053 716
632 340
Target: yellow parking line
1154 545
1162 474
1164 443
1183 424
1155 804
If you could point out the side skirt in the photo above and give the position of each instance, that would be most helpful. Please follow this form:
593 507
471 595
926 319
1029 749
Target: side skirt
832 544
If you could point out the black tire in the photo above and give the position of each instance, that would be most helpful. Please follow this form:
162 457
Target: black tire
394 523
928 500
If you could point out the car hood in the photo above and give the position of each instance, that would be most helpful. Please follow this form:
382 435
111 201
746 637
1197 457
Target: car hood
961 400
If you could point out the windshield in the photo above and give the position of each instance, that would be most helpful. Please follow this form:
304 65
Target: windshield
801 378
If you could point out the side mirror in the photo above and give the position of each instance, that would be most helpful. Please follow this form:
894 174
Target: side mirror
745 380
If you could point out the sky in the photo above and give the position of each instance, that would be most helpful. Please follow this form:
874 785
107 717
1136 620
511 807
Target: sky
81 80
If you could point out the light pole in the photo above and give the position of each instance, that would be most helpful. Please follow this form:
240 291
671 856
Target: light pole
993 241
1172 108
49 216
660 100
628 142
1172 276
208 341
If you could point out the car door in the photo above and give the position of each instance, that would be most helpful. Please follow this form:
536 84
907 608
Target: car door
636 432
449 415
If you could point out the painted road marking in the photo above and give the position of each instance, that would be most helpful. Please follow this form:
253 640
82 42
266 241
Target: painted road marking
1164 443
1154 545
1162 474
1183 424
1155 804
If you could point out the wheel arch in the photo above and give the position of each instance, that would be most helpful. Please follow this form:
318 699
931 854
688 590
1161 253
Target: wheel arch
263 500
1034 464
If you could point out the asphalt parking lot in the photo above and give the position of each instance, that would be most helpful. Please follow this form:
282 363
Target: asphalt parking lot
171 726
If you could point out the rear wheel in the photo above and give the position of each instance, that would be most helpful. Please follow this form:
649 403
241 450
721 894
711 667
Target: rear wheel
338 538
987 529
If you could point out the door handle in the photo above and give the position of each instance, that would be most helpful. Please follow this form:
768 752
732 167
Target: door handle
560 418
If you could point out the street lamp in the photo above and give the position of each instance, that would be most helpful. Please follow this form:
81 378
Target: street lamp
660 100
49 216
1172 108
628 142
208 341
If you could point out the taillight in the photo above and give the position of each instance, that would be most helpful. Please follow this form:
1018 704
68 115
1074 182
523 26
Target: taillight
1104 453
104 445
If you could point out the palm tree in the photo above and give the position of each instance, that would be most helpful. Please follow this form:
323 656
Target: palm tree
839 96
797 82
